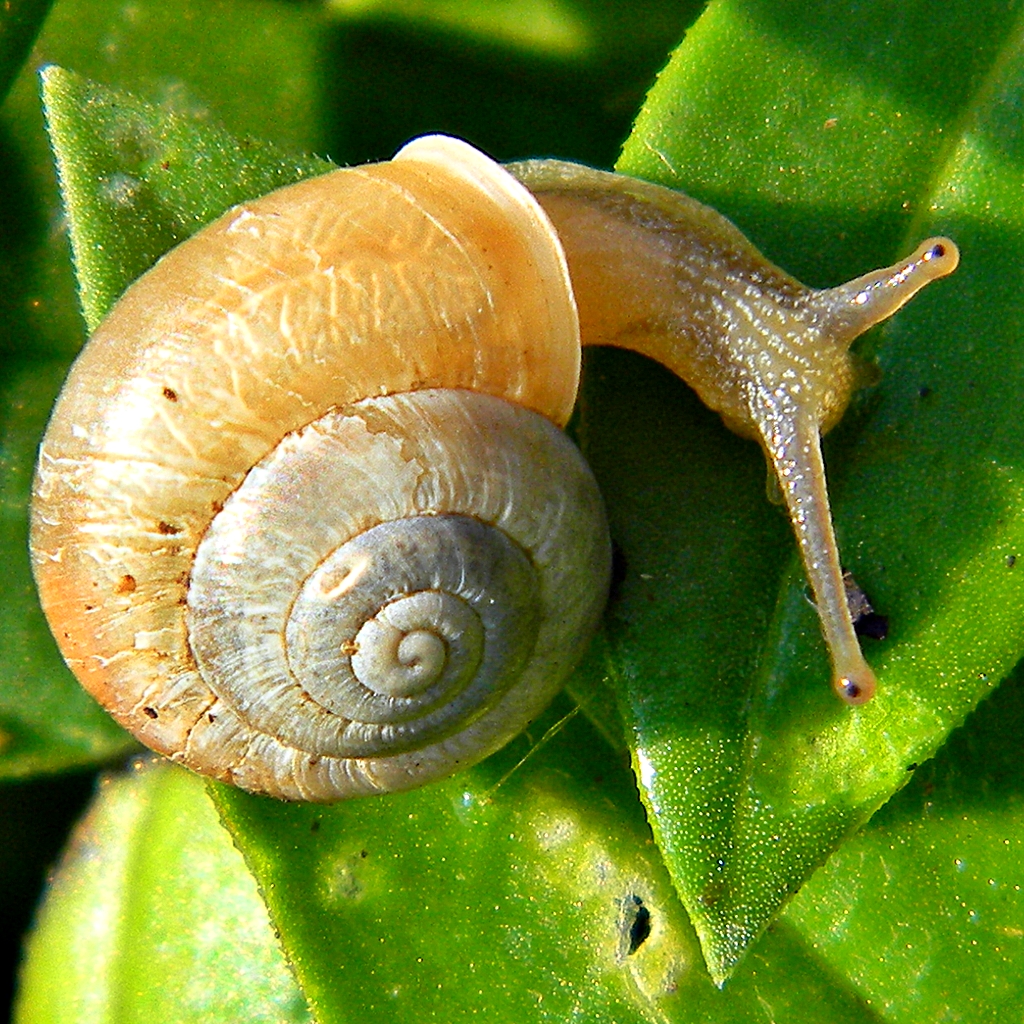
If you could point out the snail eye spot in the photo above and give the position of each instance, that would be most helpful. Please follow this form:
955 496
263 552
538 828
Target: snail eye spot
851 691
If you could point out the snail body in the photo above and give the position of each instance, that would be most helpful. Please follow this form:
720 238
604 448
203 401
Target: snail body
657 272
287 469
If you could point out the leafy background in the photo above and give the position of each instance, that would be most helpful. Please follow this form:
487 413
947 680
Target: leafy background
836 135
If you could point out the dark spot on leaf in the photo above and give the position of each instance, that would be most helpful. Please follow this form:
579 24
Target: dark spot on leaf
866 621
912 767
924 391
314 825
170 394
151 712
211 717
636 923
1011 561
712 894
167 529
126 585
618 573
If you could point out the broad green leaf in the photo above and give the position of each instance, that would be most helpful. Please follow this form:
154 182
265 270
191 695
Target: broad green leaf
153 917
510 891
923 912
783 971
837 140
522 890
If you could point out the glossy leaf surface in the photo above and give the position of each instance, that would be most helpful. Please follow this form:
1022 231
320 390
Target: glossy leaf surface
152 916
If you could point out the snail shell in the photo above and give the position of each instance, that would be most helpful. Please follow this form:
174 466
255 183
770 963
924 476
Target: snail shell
302 419
287 470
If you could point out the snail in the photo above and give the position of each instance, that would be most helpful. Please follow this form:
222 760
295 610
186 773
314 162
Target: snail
304 518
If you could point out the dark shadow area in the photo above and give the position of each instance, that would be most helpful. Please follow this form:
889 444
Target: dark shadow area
392 82
38 302
35 818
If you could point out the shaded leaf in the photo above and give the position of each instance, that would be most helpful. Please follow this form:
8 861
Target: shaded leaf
573 31
46 722
19 23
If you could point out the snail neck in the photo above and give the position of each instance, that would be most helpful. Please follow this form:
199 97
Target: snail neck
660 273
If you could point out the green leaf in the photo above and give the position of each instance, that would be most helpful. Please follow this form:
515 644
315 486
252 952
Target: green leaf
19 23
483 896
520 891
837 141
508 891
785 975
121 175
152 916
923 912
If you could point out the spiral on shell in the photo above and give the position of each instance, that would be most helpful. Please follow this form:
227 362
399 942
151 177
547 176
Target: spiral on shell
302 521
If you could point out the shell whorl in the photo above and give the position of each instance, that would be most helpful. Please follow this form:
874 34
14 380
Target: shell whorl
251 343
418 628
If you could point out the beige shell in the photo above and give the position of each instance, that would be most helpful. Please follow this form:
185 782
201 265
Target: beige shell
434 270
